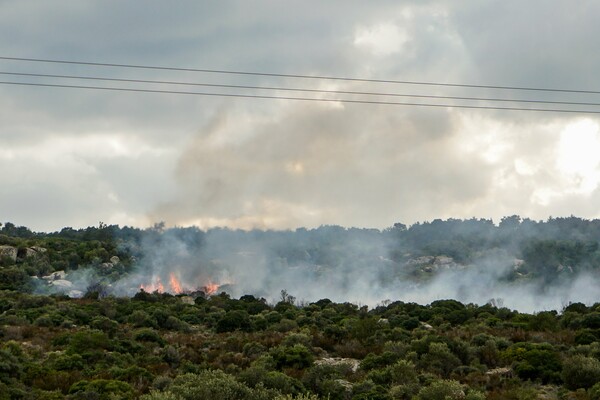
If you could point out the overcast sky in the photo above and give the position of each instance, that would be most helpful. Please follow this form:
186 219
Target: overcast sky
74 157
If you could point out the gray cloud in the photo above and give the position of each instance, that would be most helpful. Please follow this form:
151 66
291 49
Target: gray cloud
283 164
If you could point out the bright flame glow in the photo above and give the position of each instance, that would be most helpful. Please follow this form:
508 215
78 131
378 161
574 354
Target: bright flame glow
154 286
210 288
175 285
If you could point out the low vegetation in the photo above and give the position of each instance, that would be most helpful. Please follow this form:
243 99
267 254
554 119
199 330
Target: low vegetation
156 346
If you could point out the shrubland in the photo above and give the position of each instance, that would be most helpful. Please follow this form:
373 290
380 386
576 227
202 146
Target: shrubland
193 345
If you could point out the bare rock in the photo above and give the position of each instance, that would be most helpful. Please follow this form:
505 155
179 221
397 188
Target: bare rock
499 372
335 361
106 266
420 260
518 264
9 252
115 260
426 326
62 283
443 260
32 252
187 300
58 275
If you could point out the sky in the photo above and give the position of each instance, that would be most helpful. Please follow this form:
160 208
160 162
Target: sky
75 157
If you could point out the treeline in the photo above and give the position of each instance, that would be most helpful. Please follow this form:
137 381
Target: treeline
542 250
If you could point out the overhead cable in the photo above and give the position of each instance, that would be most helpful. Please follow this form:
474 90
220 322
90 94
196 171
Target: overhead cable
238 95
322 77
280 88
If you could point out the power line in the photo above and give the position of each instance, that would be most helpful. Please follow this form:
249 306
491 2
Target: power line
252 96
349 92
218 71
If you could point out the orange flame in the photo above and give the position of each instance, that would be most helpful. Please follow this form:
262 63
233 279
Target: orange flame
175 285
210 288
154 286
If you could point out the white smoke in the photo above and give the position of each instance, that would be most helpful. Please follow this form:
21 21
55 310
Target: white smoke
331 263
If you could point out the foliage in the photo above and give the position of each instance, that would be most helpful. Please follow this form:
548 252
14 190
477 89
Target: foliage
581 372
156 346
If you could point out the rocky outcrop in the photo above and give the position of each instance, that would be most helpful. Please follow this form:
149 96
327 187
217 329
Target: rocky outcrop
19 254
58 275
32 252
58 282
9 252
187 300
432 264
62 284
336 361
114 260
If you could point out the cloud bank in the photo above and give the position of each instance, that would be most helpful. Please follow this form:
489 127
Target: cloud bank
137 159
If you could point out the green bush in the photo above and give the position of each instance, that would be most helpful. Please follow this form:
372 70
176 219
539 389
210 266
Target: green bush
296 356
156 395
215 385
581 372
148 335
88 340
102 389
404 373
234 320
594 392
535 362
105 324
442 390
439 359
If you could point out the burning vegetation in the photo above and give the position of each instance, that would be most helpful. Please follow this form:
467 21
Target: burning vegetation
175 285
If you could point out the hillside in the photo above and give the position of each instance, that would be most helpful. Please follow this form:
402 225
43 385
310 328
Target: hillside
109 312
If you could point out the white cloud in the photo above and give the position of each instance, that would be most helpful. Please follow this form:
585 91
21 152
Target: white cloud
139 157
382 39
578 156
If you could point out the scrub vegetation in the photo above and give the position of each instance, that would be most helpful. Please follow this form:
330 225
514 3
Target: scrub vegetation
195 345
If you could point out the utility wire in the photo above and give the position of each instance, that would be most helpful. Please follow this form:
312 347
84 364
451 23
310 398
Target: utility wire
298 89
217 71
252 96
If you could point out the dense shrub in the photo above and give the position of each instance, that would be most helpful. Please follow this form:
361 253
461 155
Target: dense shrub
581 372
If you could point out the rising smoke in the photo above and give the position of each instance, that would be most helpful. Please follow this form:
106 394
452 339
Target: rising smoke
362 266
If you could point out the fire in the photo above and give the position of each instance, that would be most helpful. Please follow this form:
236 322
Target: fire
154 286
210 288
175 285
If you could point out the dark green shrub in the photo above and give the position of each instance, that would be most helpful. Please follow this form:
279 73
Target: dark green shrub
148 335
373 361
83 341
591 320
214 385
296 356
535 362
442 390
439 360
104 389
104 324
581 372
234 320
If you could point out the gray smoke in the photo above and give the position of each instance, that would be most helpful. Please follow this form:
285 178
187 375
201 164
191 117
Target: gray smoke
344 265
